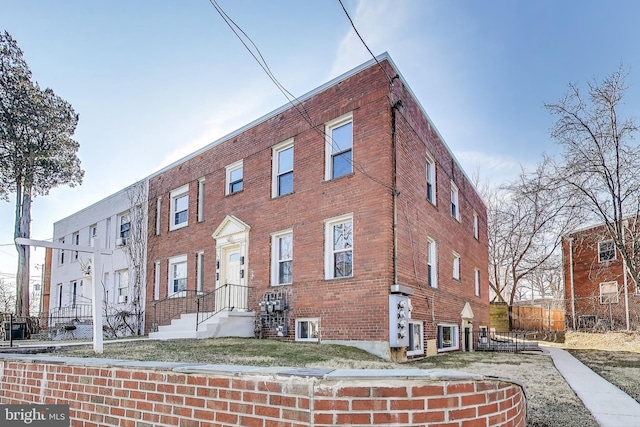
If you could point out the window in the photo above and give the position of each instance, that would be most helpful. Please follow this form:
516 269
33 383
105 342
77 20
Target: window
339 144
158 210
76 241
432 263
606 251
93 233
609 293
61 254
448 337
125 225
200 272
455 207
476 231
282 258
59 295
477 282
416 338
156 281
339 247
122 283
282 169
234 177
431 180
179 208
307 329
177 274
74 293
456 266
201 200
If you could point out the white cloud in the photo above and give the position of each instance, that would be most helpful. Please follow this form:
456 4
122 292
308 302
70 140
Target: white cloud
491 167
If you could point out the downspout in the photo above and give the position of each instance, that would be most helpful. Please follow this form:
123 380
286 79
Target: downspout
394 189
573 299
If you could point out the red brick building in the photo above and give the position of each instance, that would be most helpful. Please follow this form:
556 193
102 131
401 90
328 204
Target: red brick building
296 213
595 282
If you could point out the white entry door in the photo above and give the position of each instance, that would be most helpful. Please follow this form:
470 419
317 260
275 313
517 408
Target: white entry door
233 295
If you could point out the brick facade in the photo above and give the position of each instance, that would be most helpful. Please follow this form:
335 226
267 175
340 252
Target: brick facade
115 393
585 271
389 127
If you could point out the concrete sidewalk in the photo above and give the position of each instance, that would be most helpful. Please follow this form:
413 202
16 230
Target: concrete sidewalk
610 406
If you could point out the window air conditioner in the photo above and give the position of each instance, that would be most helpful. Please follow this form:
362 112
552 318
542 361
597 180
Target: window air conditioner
121 241
123 299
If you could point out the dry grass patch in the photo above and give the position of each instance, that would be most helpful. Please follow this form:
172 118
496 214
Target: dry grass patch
551 402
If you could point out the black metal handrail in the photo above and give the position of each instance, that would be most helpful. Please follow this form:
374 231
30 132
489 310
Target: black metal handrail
164 311
76 312
229 297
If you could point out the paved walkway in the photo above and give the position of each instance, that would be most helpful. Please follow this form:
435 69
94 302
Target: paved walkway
610 406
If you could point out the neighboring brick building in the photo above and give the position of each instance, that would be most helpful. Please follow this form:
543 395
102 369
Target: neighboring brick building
595 282
302 224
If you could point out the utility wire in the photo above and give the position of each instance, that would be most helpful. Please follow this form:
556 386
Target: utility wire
363 42
299 106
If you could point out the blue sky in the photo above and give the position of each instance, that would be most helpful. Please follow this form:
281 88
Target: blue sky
153 80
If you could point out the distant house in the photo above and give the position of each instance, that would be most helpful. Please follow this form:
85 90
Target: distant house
343 218
110 223
598 293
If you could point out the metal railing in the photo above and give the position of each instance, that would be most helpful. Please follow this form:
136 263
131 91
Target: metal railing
164 311
69 313
225 297
511 342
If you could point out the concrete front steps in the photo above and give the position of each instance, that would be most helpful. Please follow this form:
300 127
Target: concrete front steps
223 324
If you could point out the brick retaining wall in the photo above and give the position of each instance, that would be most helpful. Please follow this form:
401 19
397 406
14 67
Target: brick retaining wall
107 392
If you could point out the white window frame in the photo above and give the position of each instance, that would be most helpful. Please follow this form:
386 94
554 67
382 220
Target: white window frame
476 229
275 257
600 251
275 166
158 214
432 262
200 272
455 201
309 322
61 253
122 285
239 165
456 266
431 180
124 219
455 341
93 232
331 148
75 239
606 297
476 282
156 281
176 195
413 349
60 295
201 189
329 259
182 259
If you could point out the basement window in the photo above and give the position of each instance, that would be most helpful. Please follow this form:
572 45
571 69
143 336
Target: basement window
307 330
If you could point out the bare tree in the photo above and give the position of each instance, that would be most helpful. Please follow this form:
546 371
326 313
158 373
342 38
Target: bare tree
600 166
7 297
129 319
526 222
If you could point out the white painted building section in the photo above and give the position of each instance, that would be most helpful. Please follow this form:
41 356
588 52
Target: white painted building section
111 223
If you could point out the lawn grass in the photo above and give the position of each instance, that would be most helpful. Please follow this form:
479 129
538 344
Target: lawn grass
550 401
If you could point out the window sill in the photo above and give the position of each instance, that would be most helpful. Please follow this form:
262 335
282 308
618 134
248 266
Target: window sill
179 226
340 177
274 197
234 193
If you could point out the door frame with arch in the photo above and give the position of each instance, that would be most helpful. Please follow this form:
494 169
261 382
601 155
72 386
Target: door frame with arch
232 244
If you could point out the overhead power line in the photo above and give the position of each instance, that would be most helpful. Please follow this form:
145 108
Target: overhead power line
363 42
299 106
